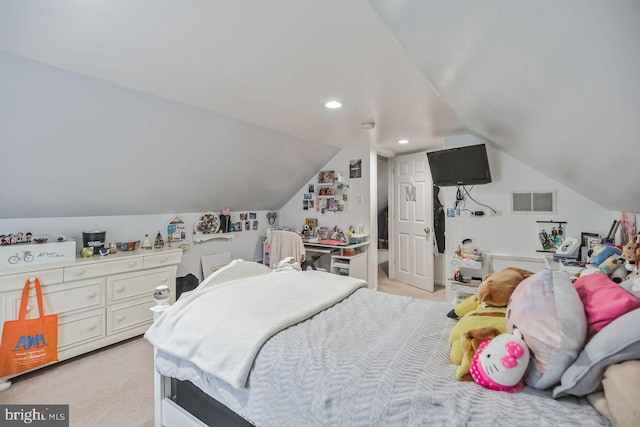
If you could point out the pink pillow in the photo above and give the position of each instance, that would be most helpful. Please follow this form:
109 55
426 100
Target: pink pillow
603 300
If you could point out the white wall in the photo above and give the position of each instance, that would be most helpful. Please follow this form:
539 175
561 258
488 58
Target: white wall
292 214
359 205
515 234
246 244
72 145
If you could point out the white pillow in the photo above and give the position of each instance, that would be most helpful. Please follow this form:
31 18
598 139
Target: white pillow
617 342
236 269
548 311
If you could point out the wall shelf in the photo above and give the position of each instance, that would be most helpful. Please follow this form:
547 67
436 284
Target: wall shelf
216 236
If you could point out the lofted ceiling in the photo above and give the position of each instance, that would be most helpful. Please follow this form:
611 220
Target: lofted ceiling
552 83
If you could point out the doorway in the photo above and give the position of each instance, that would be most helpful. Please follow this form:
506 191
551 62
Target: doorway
411 224
382 214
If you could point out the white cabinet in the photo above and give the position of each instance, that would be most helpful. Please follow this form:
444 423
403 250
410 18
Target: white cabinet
350 265
99 301
351 260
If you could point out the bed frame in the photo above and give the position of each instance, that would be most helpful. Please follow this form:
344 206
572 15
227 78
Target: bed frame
182 404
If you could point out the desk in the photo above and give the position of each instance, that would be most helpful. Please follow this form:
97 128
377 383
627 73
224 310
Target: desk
346 259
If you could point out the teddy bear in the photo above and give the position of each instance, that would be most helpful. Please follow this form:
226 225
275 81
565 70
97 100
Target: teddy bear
630 256
486 309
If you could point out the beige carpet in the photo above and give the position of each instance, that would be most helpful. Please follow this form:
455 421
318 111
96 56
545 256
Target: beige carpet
109 387
114 386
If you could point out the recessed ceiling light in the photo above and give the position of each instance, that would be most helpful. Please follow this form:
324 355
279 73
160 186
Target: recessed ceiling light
333 104
403 141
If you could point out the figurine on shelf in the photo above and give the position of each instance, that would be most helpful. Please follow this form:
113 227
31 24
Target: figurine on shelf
147 243
159 241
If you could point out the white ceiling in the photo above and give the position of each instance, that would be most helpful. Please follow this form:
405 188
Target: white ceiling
553 83
271 63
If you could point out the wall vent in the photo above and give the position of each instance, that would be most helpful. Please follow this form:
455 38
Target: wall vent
533 202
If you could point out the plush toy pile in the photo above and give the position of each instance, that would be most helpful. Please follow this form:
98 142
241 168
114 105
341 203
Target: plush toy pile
482 316
618 264
551 330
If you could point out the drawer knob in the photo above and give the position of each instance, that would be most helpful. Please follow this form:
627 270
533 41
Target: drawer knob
120 289
79 272
120 318
132 264
163 260
93 327
29 309
164 280
92 295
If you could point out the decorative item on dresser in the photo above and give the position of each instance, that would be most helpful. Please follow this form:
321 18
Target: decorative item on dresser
99 301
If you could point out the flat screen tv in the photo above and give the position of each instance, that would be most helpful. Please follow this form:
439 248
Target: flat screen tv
460 166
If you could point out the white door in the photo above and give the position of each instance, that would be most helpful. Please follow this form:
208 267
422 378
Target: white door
412 221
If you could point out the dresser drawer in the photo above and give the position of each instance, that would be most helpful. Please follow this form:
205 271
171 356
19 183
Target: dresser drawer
11 282
138 284
62 298
102 268
160 260
129 315
80 328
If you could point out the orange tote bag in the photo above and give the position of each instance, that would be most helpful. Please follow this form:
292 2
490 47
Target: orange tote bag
27 344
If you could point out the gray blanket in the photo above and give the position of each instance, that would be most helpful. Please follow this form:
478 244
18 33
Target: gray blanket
375 360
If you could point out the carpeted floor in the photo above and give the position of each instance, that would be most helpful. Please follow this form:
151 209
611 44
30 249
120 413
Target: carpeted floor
109 387
114 386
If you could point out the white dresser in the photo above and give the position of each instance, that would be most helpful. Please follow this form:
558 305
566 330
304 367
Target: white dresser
99 301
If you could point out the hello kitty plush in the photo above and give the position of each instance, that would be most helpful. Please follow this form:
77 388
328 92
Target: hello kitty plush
500 363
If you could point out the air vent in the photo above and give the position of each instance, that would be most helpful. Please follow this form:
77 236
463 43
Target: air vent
533 202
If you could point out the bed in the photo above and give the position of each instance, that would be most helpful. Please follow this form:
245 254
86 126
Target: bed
358 357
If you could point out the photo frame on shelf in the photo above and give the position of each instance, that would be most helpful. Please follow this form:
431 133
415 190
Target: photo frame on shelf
551 234
587 242
312 223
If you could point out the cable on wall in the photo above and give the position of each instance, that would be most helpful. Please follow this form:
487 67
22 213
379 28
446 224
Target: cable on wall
462 193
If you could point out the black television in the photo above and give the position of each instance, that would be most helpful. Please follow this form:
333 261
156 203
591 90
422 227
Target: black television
460 166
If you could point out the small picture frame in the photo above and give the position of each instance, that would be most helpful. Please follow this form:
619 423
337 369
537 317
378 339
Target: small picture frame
325 177
312 223
355 168
588 241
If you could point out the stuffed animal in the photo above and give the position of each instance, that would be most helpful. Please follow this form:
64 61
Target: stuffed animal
500 363
601 253
486 309
630 256
495 291
469 332
611 264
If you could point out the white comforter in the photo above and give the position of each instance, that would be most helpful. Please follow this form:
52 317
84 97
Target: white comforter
221 328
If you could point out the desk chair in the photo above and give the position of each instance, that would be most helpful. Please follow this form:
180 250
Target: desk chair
284 244
310 260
